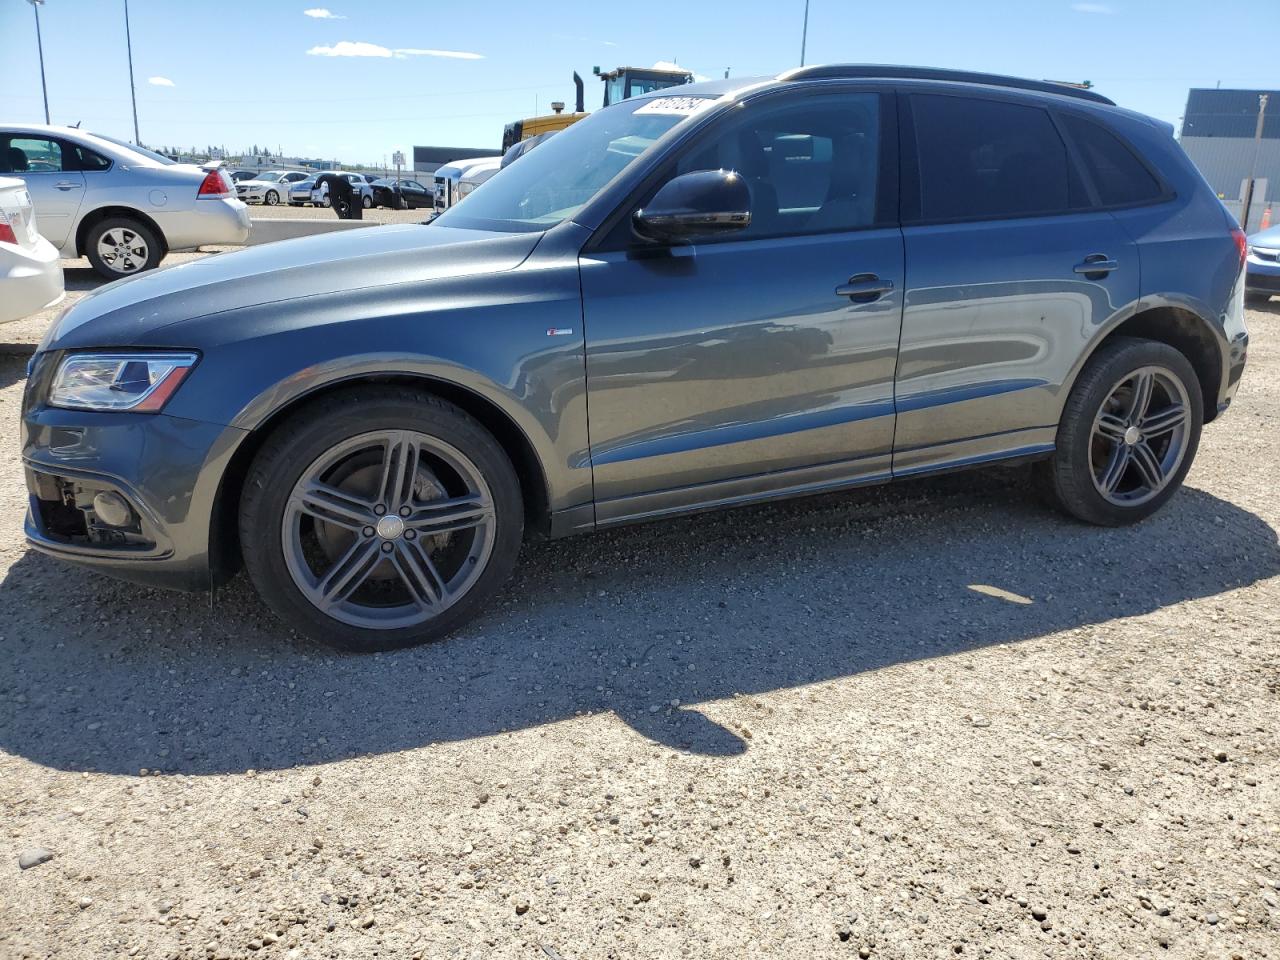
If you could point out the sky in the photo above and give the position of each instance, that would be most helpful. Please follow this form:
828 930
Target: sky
355 81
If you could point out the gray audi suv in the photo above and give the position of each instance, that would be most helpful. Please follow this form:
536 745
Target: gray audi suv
749 289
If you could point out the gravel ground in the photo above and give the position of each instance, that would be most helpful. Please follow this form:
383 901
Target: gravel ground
919 721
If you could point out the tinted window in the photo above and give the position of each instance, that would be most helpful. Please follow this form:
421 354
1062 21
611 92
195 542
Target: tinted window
30 155
812 165
86 159
984 160
1119 176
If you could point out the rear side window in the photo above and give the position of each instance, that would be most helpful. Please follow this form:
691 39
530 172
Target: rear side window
987 160
86 159
1119 176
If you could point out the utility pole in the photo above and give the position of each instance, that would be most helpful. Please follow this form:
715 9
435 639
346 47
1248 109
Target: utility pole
35 6
133 93
1253 168
804 35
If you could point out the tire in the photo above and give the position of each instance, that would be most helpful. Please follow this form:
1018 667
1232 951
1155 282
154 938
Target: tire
271 198
120 247
296 546
1108 454
367 202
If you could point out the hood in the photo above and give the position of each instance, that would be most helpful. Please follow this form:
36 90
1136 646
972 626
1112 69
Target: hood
1266 238
121 313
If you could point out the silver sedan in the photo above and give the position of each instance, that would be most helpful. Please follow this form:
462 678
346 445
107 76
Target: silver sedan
122 206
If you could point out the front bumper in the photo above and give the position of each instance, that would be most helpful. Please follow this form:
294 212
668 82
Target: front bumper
167 469
1262 270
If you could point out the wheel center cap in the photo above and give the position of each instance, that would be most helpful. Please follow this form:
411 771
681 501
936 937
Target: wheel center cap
1132 436
390 527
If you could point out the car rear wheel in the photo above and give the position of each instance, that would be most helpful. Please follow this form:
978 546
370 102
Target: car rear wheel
1128 435
120 247
271 198
380 518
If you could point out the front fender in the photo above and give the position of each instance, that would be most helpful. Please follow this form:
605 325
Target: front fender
516 343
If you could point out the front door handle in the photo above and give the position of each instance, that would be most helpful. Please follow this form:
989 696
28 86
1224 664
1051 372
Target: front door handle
1097 264
864 288
66 184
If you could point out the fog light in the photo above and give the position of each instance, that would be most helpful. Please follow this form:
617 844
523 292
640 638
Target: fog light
112 509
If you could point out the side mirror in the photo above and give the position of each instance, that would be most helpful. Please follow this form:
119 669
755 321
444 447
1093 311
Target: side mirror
706 203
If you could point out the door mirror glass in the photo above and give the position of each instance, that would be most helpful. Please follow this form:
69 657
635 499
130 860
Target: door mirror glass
706 203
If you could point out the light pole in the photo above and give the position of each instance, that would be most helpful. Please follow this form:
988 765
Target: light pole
35 6
1253 168
133 93
804 34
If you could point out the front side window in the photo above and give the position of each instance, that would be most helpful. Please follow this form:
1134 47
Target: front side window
1119 176
988 160
813 166
555 181
31 155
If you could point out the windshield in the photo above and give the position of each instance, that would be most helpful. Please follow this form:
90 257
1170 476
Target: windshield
269 177
552 183
150 154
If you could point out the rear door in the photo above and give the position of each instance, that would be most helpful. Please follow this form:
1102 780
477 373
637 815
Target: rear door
1011 269
50 170
736 367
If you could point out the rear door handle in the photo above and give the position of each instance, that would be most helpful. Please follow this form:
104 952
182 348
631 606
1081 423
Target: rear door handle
864 288
66 184
1097 263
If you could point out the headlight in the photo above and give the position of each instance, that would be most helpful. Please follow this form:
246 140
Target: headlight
141 382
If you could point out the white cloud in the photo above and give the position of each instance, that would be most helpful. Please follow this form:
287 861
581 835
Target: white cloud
358 48
451 54
161 82
321 13
1092 8
349 48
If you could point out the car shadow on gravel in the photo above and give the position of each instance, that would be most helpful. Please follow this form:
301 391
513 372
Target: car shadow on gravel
645 622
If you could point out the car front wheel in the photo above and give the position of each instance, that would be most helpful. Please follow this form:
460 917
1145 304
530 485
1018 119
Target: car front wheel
271 198
380 518
367 202
1128 434
120 247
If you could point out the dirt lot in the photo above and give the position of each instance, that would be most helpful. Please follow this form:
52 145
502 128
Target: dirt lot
792 731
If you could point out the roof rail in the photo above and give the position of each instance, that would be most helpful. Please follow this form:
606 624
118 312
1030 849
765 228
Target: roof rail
839 71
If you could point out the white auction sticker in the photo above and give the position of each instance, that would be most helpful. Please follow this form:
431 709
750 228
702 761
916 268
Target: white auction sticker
675 105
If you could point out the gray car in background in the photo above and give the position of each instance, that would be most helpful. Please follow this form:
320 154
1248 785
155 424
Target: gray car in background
120 205
746 290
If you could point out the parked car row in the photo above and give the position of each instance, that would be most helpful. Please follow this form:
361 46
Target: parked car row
120 205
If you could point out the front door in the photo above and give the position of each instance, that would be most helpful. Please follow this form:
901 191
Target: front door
729 370
53 179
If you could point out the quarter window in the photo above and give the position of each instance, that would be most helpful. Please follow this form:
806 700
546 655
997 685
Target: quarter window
987 160
1119 176
813 166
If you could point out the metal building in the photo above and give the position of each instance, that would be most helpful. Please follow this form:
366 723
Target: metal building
1218 134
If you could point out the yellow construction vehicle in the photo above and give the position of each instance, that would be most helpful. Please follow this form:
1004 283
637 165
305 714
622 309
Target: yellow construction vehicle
619 84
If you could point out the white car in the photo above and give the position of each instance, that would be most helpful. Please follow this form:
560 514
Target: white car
270 187
30 274
448 176
359 183
122 206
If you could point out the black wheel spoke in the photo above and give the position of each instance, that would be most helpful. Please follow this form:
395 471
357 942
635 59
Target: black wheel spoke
445 516
335 506
346 576
1164 421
